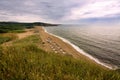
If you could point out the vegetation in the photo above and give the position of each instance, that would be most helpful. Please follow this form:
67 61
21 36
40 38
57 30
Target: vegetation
24 60
17 31
19 27
6 27
7 37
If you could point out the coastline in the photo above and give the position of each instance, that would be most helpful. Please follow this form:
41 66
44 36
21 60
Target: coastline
79 53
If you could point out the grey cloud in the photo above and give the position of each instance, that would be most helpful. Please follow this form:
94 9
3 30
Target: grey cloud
47 9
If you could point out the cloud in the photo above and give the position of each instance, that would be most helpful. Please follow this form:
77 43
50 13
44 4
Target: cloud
58 11
95 9
52 10
23 11
29 3
23 18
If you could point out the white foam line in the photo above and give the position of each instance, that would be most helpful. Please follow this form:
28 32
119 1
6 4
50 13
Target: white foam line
83 52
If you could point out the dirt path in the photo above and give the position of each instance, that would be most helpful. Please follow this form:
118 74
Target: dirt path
25 34
28 32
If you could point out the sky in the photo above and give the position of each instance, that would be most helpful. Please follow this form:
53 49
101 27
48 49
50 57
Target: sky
61 11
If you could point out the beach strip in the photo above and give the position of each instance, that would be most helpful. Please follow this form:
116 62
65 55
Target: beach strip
53 43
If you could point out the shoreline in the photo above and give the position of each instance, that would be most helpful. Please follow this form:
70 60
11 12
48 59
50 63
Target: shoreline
81 52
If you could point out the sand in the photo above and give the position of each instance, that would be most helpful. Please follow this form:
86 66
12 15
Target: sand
54 44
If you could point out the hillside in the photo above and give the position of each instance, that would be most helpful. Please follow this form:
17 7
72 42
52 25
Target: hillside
26 60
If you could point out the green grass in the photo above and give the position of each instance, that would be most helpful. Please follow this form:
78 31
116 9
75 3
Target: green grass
7 37
24 60
4 39
6 27
17 31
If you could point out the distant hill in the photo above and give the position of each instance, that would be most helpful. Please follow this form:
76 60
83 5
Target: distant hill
35 23
44 24
11 26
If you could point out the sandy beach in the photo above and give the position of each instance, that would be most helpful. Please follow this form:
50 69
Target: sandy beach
54 44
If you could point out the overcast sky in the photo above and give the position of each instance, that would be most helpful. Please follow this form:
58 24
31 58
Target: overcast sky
60 11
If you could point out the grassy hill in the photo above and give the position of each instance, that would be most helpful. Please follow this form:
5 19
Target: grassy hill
25 60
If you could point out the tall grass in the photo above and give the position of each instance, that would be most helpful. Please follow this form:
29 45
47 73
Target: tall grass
24 60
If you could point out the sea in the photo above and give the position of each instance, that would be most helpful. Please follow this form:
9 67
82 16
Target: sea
100 43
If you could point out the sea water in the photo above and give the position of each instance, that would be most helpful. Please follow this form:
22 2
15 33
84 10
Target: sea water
100 43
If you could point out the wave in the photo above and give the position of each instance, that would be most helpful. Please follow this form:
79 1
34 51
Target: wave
83 52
